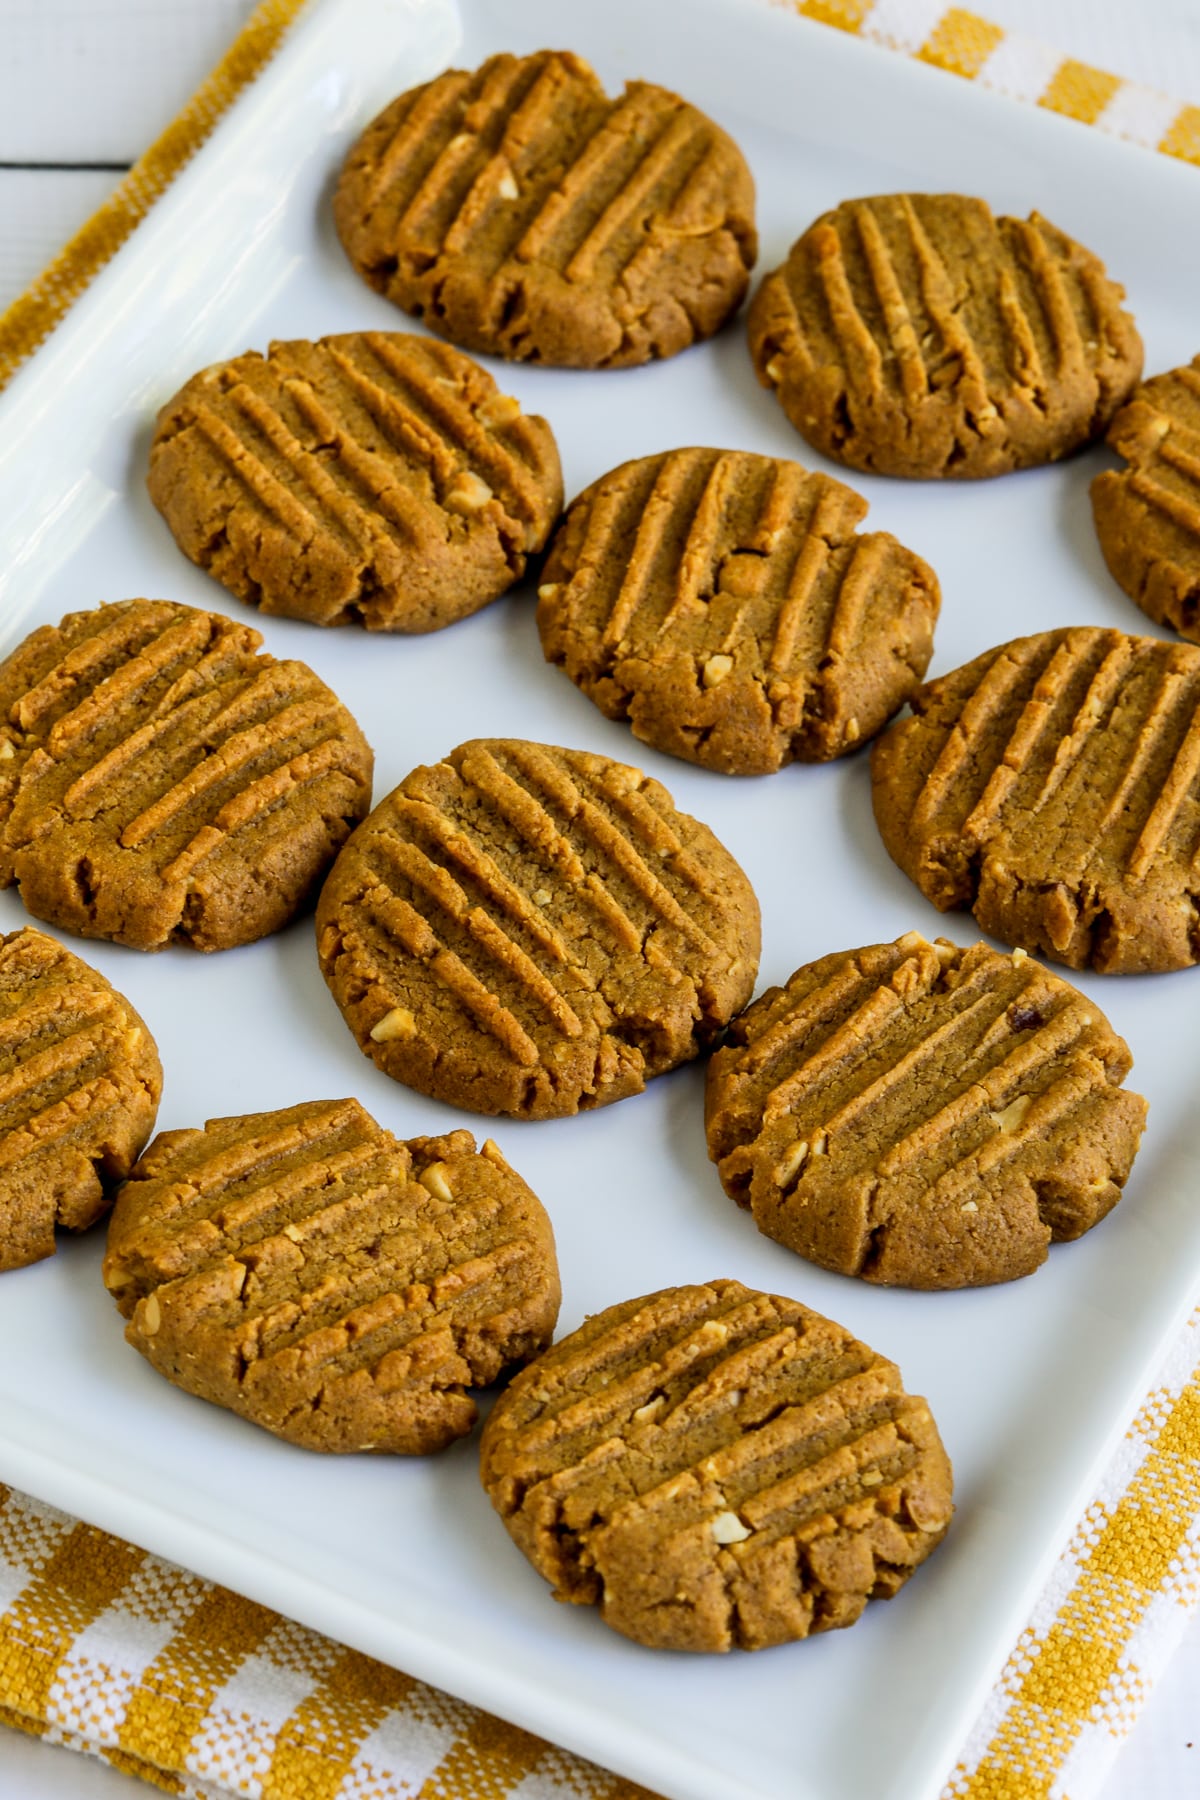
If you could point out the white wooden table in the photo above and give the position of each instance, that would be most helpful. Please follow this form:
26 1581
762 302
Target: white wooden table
84 86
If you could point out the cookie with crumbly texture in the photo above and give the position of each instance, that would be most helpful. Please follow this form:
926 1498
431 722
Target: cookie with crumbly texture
80 1083
318 1277
529 930
162 780
517 209
725 605
1052 786
923 1116
1148 514
376 477
716 1468
919 335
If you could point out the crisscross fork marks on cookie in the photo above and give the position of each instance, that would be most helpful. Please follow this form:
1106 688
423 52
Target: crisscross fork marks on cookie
723 603
1053 786
916 1114
519 210
915 334
715 1467
371 476
1148 513
324 1280
169 782
530 929
80 1082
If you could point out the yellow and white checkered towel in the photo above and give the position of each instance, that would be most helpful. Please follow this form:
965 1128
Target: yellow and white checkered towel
962 43
107 1649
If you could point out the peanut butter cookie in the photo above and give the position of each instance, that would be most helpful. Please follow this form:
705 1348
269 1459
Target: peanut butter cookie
80 1083
522 929
724 604
376 477
318 1277
163 781
1148 515
717 1468
916 334
518 210
923 1116
1053 787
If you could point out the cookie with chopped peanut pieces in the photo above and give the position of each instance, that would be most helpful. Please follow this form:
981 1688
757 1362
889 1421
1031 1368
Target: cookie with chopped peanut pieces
727 606
376 478
80 1082
1052 786
920 335
1148 513
923 1116
525 929
164 781
716 1468
517 210
324 1280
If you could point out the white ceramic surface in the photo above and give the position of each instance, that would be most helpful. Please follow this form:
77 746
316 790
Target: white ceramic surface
1030 1383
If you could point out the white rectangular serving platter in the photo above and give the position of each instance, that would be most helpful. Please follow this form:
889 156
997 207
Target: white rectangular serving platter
1032 1383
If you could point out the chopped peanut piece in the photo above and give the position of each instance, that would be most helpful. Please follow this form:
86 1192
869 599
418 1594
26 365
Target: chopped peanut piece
501 409
399 1023
727 1528
1013 1113
434 1178
469 493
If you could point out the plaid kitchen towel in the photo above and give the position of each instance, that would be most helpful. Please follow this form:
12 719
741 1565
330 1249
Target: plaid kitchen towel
965 44
107 1649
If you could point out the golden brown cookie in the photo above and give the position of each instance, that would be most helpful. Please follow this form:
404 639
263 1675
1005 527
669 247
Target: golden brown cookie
522 929
80 1083
163 781
1148 516
1053 787
717 1468
723 603
374 477
315 1275
916 334
517 210
923 1116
